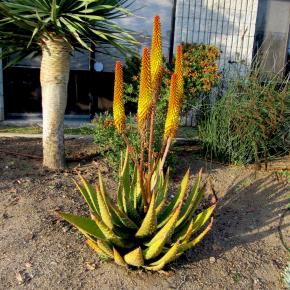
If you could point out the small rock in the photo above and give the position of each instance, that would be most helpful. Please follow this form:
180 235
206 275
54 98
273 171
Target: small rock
90 266
212 260
19 277
28 265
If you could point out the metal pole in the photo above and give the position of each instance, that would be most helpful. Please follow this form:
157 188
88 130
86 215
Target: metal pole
1 93
173 18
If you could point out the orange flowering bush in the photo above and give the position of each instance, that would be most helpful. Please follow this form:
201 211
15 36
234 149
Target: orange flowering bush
200 72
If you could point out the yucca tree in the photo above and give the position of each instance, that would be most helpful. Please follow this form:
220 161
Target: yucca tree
55 29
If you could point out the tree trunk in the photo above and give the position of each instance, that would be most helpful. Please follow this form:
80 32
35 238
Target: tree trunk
54 76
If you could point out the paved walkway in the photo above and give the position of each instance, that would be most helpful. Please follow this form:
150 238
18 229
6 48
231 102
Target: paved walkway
21 135
70 123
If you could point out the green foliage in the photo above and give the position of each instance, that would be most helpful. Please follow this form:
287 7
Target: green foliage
250 122
110 143
25 24
124 232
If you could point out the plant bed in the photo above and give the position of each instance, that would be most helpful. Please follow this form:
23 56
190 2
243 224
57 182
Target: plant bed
39 250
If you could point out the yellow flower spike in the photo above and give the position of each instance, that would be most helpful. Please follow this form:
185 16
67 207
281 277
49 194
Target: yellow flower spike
118 103
156 53
178 70
145 94
174 105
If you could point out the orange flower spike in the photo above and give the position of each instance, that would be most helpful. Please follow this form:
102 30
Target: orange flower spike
118 102
179 71
173 111
145 93
156 52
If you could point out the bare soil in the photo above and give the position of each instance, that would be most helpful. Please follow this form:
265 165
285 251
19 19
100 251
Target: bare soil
40 251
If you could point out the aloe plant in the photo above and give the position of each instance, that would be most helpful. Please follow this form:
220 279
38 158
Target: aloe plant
141 227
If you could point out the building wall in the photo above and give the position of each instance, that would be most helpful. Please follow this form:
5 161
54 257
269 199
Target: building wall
272 34
227 24
141 23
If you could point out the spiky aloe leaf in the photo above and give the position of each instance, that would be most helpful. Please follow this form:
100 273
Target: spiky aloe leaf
168 257
197 222
102 185
165 214
202 218
96 248
118 258
125 199
86 196
156 245
91 192
104 247
137 197
133 186
187 233
149 224
120 196
187 245
192 201
83 224
162 194
155 268
125 181
120 218
135 258
104 209
156 179
107 232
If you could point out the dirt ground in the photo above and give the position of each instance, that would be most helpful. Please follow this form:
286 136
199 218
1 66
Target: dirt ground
40 251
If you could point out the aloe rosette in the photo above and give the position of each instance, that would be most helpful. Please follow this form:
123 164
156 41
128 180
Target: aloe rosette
123 232
141 226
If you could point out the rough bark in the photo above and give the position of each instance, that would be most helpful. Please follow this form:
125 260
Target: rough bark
54 76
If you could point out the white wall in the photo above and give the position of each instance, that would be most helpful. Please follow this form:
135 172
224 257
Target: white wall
228 24
141 23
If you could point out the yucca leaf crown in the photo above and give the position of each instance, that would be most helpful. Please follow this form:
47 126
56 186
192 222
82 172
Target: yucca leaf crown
26 25
141 227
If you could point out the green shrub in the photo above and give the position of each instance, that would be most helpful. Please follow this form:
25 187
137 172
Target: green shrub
110 143
250 122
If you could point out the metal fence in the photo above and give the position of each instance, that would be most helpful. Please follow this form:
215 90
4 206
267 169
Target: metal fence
227 24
